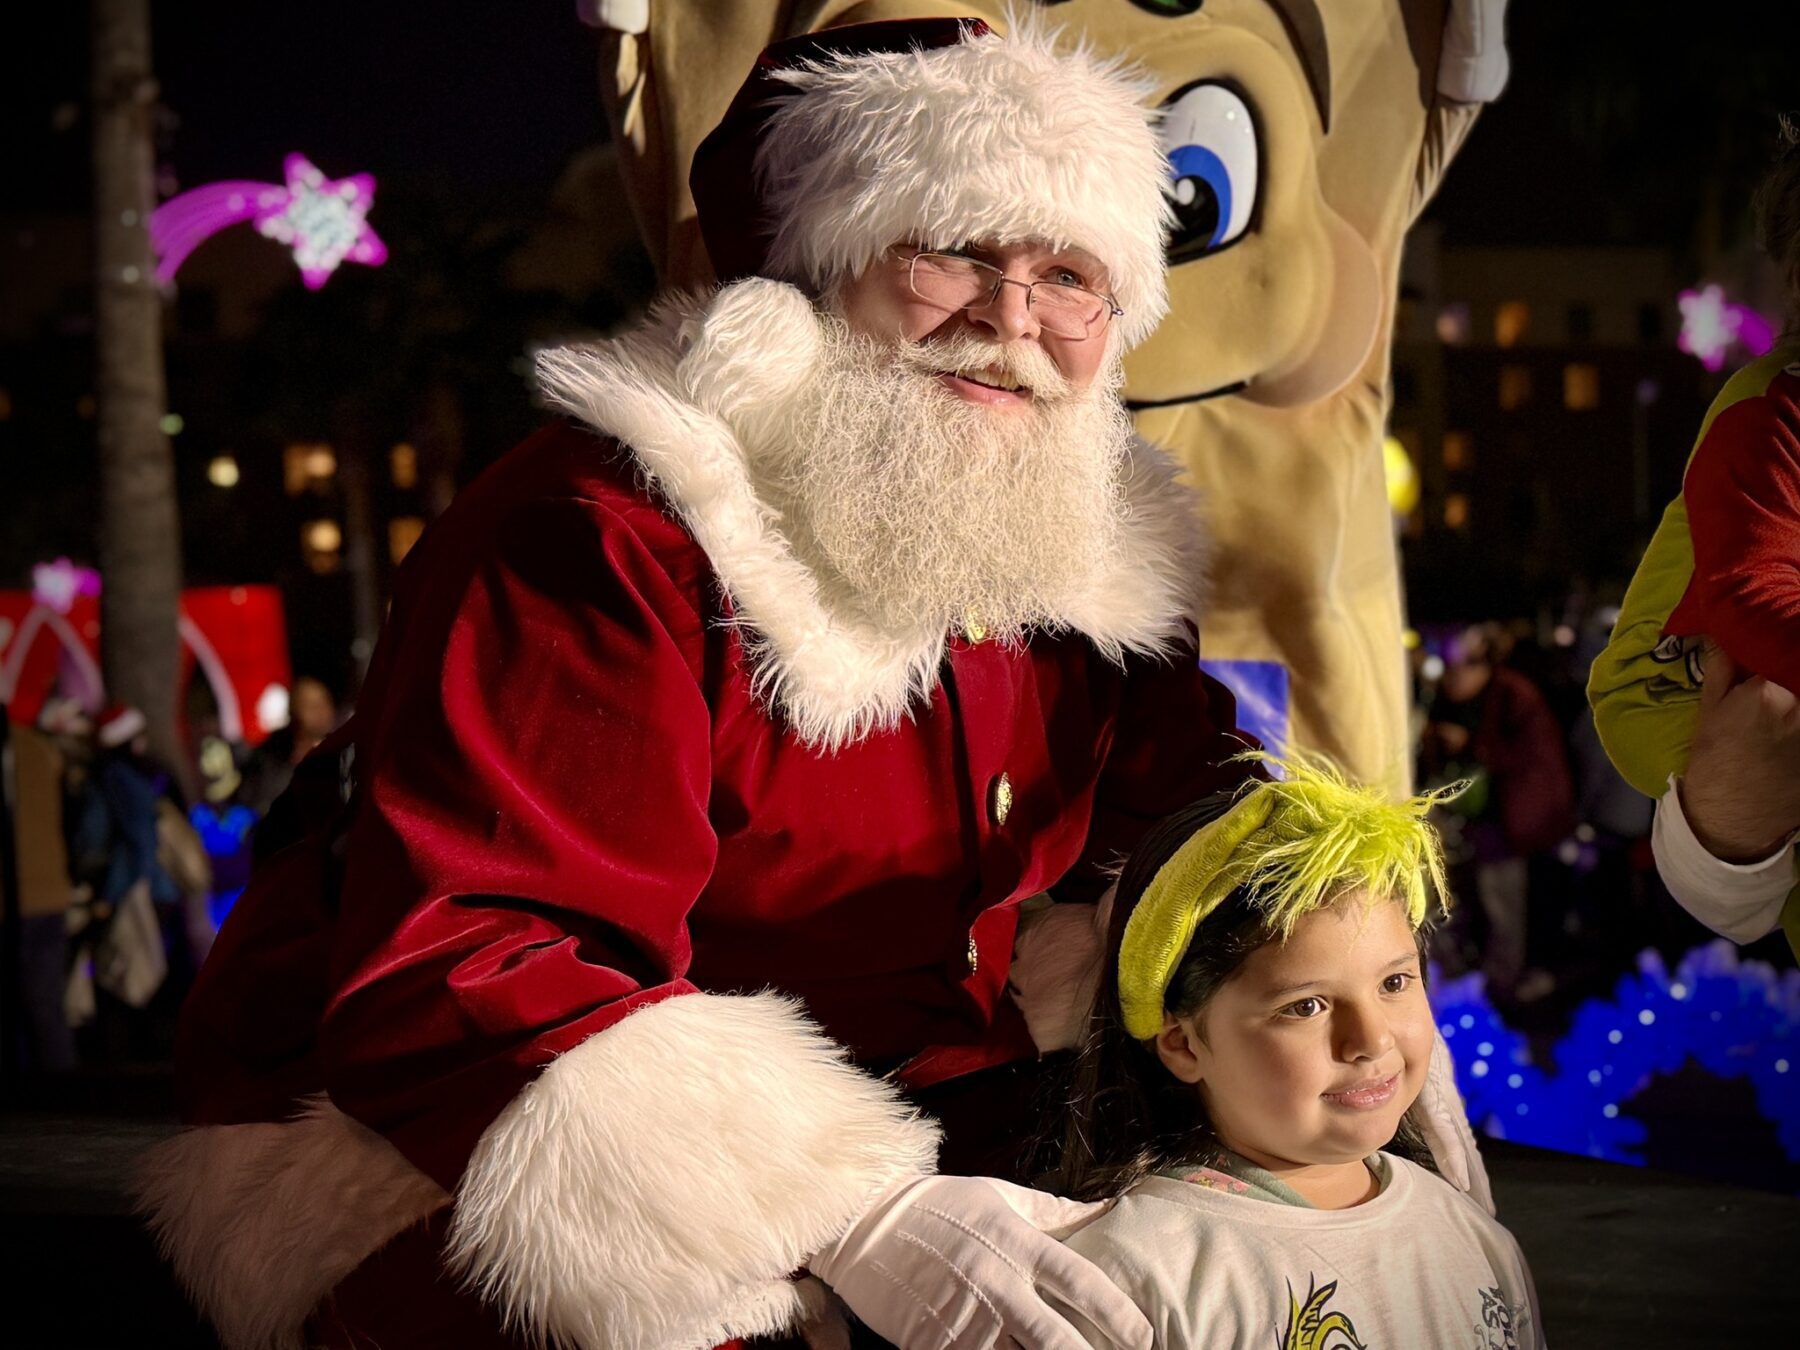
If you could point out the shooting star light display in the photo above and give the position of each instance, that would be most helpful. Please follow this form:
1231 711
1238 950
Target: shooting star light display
324 221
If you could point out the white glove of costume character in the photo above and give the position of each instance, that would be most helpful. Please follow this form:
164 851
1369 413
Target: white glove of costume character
968 1263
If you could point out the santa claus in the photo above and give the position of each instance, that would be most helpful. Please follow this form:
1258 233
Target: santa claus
627 954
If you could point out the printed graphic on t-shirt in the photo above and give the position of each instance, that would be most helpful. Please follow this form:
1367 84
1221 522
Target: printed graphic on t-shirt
1311 1327
1501 1322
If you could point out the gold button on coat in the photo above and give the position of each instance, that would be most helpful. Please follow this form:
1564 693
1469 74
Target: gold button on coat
973 628
974 955
1003 799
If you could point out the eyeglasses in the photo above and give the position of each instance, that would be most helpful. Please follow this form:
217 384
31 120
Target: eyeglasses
951 281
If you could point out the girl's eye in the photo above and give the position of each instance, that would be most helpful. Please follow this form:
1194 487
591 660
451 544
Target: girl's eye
1304 1008
1397 982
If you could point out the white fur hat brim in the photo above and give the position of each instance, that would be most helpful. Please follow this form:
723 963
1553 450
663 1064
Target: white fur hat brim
1001 138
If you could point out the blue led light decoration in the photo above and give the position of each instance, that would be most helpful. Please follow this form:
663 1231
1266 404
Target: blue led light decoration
1734 1018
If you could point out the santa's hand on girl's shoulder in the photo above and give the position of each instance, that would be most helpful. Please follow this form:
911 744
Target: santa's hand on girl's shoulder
964 1263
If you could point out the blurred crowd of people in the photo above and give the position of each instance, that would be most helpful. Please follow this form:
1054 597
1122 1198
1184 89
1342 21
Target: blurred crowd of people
123 877
123 880
1554 884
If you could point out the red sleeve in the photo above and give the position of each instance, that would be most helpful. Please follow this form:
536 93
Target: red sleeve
1743 501
1176 729
533 830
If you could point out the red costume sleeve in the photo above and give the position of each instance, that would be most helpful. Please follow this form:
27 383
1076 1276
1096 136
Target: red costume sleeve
1743 501
534 827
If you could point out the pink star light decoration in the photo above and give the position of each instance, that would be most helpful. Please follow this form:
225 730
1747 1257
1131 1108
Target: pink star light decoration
324 221
1710 324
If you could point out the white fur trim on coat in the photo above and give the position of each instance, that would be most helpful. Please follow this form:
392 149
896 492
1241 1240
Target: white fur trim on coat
261 1222
706 376
996 137
656 1185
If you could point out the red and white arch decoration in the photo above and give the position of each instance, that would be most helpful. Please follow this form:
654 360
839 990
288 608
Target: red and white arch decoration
235 635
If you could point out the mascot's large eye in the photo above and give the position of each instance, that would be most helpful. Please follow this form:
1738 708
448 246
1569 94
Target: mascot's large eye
1210 139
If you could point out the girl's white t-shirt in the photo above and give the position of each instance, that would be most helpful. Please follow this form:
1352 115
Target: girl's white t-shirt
1418 1267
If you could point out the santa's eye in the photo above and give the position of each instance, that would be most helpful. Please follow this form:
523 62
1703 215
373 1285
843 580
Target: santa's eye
1210 139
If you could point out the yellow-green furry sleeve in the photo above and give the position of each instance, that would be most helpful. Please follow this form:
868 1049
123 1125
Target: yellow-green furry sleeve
1642 689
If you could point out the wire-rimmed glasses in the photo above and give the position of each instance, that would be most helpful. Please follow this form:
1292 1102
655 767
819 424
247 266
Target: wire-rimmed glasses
955 282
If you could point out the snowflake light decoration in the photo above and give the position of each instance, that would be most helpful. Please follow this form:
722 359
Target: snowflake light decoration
323 221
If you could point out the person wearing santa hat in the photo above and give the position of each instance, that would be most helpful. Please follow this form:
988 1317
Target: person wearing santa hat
723 744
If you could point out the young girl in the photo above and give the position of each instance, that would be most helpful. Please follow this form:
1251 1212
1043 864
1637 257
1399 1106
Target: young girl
1260 1033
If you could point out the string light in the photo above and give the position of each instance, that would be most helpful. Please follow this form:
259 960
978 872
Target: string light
1733 1018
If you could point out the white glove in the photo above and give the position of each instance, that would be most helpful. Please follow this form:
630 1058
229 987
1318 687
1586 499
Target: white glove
967 1263
1444 1121
1473 65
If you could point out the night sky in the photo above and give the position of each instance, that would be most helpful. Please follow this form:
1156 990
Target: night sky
1616 113
492 93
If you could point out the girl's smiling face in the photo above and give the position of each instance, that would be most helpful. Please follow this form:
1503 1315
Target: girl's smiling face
1307 1057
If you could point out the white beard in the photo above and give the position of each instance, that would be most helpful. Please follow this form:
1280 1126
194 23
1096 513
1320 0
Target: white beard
924 512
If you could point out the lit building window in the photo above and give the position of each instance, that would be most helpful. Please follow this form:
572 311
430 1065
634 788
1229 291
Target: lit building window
222 471
322 542
403 463
1456 510
307 465
1453 324
403 533
1515 387
1459 450
1581 387
1511 321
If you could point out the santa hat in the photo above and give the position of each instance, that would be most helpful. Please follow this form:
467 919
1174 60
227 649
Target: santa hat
118 725
936 132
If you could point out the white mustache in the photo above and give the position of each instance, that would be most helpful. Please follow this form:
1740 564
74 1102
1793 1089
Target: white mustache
1020 362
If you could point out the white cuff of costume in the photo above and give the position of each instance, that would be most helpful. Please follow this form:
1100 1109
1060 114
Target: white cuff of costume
657 1185
1473 66
1740 901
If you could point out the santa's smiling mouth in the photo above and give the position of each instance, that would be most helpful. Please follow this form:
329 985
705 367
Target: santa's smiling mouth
989 385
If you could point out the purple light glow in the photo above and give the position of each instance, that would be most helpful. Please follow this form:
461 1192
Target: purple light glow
55 585
322 220
1711 324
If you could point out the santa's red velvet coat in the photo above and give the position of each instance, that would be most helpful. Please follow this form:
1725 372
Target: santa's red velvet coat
618 768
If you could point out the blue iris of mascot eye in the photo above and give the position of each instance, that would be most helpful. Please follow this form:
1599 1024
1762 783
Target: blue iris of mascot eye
1210 139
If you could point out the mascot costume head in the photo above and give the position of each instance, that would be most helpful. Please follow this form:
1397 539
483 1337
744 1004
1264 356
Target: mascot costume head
1303 138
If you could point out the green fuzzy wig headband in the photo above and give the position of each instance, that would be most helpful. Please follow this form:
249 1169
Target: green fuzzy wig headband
1294 846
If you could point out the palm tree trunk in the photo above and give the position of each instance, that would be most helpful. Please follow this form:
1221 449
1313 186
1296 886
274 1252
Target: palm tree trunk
140 528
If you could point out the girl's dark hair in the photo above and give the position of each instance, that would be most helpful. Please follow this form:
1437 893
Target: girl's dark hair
1777 209
1124 1114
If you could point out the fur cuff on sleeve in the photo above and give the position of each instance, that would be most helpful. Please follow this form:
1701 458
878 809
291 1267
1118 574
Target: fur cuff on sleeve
656 1185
